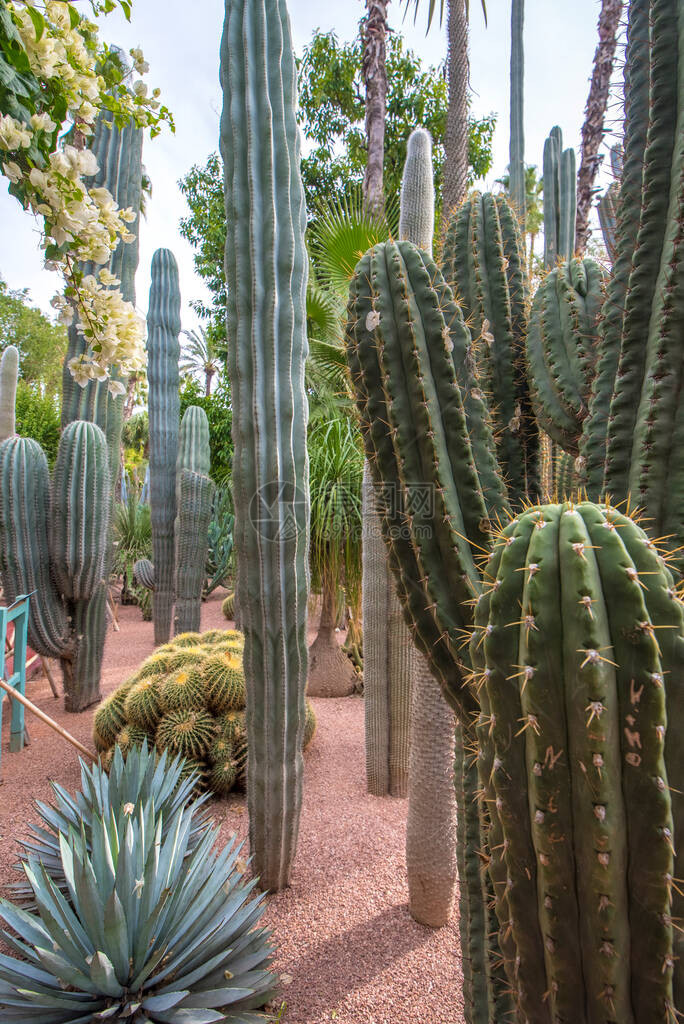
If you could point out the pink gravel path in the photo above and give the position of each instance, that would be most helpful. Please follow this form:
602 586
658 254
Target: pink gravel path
348 949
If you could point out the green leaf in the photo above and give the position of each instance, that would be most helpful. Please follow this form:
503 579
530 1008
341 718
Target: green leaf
38 21
103 975
74 16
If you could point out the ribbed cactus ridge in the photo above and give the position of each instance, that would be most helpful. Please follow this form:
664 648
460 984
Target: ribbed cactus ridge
193 501
417 210
193 442
484 263
195 494
560 200
585 775
641 457
565 477
79 511
417 442
636 87
608 217
143 573
562 348
266 273
517 185
9 370
163 353
24 546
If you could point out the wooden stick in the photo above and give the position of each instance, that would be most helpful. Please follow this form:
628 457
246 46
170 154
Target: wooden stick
15 695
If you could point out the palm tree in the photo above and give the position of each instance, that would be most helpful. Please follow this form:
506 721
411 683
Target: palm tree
200 356
594 118
374 36
456 139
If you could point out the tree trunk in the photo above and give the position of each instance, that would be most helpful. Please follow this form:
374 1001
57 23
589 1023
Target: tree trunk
456 140
374 36
208 377
593 127
431 852
331 673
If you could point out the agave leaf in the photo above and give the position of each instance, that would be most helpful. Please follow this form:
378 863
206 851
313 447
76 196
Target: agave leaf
60 920
217 997
104 976
189 1017
29 927
65 972
101 858
111 1011
164 1001
190 979
116 937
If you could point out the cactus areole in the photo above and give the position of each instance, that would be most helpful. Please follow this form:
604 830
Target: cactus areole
266 274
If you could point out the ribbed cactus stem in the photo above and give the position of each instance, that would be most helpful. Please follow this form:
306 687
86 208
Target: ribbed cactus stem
585 769
417 212
266 271
163 352
9 370
193 499
517 190
560 200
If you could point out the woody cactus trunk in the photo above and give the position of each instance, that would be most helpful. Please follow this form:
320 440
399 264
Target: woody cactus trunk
57 540
570 690
266 273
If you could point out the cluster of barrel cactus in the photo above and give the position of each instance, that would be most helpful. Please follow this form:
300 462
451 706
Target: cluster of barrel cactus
188 699
567 687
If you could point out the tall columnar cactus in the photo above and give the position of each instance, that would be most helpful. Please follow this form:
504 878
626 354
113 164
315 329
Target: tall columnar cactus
9 369
517 190
81 544
560 200
163 352
630 438
193 500
484 263
417 210
562 348
266 272
587 777
54 543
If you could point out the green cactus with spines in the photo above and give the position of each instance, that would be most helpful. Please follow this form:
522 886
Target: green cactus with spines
221 749
189 639
110 718
266 274
228 606
222 776
517 189
143 704
607 208
9 370
587 783
194 494
562 348
309 725
143 573
187 732
156 665
130 736
224 680
484 264
24 547
566 484
183 690
560 200
163 353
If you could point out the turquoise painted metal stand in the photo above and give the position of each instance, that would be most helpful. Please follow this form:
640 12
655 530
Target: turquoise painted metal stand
17 615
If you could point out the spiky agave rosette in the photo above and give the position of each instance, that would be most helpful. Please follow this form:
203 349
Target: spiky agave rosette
188 700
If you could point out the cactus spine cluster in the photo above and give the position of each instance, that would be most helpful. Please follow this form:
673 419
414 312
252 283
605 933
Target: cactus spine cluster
163 352
560 200
266 272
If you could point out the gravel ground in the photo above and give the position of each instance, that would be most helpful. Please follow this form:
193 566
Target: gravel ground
348 949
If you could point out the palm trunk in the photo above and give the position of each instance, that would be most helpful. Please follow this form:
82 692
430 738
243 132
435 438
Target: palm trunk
331 673
374 35
456 140
593 127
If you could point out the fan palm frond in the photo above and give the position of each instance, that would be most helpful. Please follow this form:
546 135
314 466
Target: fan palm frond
341 232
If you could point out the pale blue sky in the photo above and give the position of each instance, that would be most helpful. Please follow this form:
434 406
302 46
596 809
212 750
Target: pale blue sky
181 42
